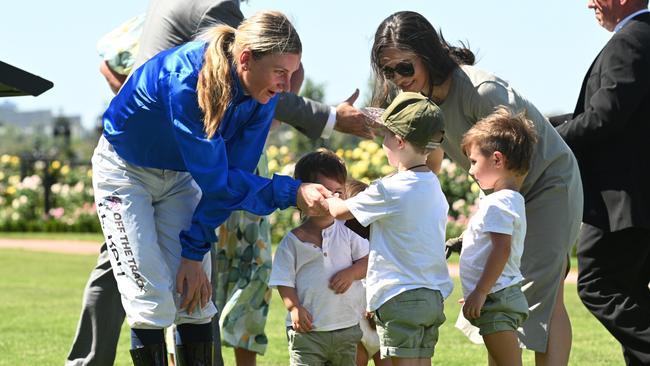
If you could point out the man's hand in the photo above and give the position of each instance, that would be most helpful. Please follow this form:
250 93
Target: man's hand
115 80
193 284
351 120
311 197
301 319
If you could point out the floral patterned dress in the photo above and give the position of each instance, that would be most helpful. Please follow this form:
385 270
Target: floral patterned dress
241 263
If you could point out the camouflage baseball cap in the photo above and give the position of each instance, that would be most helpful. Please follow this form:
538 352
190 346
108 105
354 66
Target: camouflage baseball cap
415 118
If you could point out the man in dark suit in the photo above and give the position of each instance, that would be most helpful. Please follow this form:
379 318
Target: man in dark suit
609 132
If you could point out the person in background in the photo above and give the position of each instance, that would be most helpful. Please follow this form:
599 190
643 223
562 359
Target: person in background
607 132
368 348
118 49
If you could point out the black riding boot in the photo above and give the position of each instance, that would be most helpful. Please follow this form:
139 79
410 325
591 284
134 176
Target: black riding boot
151 355
194 354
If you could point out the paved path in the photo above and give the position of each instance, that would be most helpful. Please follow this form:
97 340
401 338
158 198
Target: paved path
52 246
92 248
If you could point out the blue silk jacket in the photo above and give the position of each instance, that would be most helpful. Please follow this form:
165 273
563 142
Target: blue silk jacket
155 122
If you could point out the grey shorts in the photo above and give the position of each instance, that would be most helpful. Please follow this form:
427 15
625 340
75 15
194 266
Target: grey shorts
504 310
407 324
335 347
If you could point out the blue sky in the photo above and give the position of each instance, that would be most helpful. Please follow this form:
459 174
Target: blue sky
542 48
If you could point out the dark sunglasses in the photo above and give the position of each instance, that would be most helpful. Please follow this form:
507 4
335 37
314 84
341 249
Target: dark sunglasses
403 68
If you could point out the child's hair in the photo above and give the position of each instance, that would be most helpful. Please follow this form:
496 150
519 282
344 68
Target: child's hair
511 134
323 162
264 33
353 187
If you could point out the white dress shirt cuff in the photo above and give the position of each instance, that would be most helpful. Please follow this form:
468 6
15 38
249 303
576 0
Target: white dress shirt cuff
329 125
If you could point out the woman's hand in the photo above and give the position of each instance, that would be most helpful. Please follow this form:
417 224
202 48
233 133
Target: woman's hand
193 285
311 197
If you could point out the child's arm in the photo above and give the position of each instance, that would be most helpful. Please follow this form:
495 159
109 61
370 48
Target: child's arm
494 265
338 209
342 280
301 319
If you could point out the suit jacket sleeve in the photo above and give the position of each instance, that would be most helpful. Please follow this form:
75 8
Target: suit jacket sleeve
622 83
559 119
305 115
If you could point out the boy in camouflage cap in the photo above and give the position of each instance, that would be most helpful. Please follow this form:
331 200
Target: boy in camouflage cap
409 212
416 119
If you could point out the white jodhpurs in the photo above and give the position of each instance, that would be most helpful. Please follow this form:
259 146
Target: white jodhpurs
142 212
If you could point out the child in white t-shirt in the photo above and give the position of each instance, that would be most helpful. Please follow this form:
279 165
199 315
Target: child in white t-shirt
407 278
368 348
316 269
499 148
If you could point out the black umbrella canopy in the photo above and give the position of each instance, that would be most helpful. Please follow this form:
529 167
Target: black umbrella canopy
15 82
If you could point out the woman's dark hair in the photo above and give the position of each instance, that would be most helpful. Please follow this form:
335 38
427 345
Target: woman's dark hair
410 31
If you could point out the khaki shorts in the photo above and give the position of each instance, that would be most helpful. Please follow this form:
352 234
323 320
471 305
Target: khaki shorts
335 347
504 310
407 324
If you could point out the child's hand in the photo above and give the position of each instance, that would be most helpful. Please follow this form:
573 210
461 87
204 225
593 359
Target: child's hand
473 304
370 317
301 319
341 282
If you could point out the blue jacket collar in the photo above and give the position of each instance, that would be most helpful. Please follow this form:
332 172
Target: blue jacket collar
238 93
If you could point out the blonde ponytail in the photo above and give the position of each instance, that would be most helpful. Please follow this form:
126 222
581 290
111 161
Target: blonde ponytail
213 87
264 33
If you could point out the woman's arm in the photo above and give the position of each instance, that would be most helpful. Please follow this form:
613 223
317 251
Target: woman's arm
223 168
434 160
114 79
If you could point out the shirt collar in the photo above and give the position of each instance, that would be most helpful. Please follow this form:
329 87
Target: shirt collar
627 19
238 93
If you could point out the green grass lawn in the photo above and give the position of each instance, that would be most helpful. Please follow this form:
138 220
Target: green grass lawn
41 298
95 237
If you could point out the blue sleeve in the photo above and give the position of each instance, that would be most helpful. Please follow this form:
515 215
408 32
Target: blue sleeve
225 186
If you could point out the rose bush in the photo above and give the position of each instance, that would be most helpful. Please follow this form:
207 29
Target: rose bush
72 205
22 205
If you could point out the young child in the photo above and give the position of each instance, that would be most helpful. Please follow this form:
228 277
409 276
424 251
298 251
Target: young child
368 348
316 269
499 149
407 278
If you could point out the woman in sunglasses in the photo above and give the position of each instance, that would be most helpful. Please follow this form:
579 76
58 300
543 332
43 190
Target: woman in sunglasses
409 54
